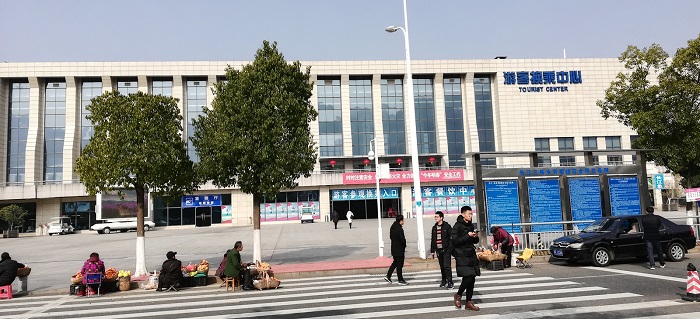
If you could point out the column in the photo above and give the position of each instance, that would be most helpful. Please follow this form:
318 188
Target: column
4 103
143 83
345 109
34 152
440 118
71 140
377 114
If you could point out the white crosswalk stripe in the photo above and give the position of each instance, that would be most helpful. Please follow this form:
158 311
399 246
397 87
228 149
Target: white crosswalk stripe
347 296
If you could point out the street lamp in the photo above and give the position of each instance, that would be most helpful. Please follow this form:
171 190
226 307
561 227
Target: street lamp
374 156
414 136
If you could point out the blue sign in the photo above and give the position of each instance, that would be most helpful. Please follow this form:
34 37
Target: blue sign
445 191
502 203
624 196
545 203
364 193
584 194
659 181
563 171
201 200
525 78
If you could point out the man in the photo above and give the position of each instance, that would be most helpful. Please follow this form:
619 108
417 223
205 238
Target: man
398 250
440 245
504 241
464 237
651 224
171 272
349 216
8 269
235 268
335 218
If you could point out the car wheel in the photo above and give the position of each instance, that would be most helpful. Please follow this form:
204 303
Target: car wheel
63 233
146 227
106 230
675 252
601 257
50 234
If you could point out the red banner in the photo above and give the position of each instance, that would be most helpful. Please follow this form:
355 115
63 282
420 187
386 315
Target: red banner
443 175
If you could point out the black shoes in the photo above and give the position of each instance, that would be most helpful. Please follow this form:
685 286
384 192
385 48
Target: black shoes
387 279
442 284
403 283
450 286
248 288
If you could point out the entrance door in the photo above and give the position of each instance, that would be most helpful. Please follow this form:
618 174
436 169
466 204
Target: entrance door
203 216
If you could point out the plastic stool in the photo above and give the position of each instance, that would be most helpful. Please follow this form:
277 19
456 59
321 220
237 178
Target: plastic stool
6 292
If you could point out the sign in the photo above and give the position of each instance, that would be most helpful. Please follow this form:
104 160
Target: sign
447 199
584 194
364 193
227 214
659 181
443 175
502 203
542 81
545 203
624 196
692 194
563 171
201 201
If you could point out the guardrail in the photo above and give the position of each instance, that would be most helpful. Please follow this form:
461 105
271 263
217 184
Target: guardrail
540 240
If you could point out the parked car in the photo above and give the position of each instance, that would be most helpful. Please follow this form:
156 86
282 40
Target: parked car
307 217
612 238
60 226
120 225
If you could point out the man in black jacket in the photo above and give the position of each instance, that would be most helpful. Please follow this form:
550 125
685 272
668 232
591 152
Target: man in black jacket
398 250
652 238
8 269
171 273
440 245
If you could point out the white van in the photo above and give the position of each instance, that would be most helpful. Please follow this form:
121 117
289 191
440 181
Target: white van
60 226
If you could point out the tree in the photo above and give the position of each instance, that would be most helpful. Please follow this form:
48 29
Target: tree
665 113
13 215
138 145
257 135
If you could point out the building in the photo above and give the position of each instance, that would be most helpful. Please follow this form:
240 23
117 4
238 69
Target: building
461 106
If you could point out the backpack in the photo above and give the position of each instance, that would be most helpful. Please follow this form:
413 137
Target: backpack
222 265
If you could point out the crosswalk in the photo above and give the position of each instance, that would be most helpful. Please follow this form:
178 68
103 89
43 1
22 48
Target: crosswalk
503 294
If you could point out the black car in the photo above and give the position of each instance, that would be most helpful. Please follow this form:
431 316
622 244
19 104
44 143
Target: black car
616 237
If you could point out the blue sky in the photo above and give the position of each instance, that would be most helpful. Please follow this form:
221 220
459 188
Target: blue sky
308 30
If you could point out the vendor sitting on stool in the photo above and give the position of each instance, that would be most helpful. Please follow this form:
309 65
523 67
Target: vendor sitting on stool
235 268
171 274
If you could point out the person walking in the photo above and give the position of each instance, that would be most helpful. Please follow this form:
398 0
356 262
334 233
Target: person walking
398 250
652 238
349 215
440 245
334 218
464 236
504 241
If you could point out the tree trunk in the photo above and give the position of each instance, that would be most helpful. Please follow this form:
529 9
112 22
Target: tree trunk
140 234
257 248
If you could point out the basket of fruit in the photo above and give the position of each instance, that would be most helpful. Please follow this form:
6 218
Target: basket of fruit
76 279
203 267
111 275
24 272
124 280
487 255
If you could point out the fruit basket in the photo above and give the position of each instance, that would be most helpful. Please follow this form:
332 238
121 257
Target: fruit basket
266 281
24 272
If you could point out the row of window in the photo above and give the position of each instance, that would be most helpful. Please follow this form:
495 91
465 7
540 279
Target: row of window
589 143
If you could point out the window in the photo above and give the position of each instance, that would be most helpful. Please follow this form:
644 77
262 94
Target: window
89 90
424 102
361 115
18 129
54 130
162 87
632 139
393 117
613 143
542 145
454 118
484 116
566 144
127 87
591 143
196 102
330 119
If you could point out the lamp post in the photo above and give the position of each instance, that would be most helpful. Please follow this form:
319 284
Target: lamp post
374 156
414 136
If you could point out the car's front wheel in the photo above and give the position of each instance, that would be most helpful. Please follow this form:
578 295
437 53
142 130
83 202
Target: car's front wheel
675 252
601 257
146 227
106 230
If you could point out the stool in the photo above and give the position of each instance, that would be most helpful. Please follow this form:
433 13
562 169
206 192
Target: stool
231 282
173 287
6 292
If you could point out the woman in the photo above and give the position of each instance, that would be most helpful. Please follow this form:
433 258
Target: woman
92 266
464 236
503 240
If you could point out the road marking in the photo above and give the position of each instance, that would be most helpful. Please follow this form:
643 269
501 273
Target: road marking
692 315
638 274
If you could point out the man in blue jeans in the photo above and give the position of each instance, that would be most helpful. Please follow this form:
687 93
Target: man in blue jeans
652 237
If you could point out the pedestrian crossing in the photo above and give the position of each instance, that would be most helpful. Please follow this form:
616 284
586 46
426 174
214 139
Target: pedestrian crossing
502 294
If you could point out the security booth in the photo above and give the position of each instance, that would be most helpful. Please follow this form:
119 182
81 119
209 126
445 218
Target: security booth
535 196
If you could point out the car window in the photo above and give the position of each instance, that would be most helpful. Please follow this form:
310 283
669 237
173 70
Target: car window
629 226
600 225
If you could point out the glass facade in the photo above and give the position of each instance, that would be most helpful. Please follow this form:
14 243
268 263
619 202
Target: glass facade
169 214
393 120
196 102
591 143
18 129
361 115
566 144
613 143
88 91
424 102
454 118
542 145
82 214
162 87
54 130
484 117
330 118
127 87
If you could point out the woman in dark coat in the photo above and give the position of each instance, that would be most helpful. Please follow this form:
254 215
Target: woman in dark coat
398 250
464 236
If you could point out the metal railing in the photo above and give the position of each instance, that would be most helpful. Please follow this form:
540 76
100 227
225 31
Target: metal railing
540 240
